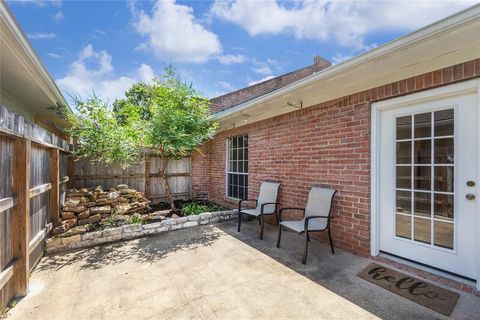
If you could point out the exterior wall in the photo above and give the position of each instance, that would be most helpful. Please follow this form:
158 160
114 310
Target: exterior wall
325 144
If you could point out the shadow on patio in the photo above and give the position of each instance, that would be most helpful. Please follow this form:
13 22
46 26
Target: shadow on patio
147 249
214 272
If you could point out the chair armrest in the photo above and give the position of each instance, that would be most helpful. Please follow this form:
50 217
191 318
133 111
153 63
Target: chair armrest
268 203
307 219
291 208
245 200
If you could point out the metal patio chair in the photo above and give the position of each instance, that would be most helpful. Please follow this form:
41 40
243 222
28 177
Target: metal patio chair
316 217
266 204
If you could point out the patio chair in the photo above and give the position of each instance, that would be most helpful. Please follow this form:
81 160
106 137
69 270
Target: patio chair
316 217
266 204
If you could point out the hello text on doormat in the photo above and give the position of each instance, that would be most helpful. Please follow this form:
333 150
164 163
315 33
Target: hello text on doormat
416 290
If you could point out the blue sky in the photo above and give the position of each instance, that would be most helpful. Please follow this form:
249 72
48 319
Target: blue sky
220 46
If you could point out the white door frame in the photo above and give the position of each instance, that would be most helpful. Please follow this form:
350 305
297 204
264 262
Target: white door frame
467 87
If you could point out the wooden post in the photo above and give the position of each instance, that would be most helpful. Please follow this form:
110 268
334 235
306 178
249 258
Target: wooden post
55 190
147 176
21 215
70 171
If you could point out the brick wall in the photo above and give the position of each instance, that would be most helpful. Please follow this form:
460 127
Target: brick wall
236 97
328 143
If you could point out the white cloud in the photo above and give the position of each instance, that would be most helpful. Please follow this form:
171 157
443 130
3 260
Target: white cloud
100 79
58 16
263 70
54 55
42 3
338 58
231 59
41 36
174 34
251 82
225 85
346 22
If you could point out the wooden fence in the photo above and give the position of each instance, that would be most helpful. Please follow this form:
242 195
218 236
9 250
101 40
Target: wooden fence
143 177
33 176
35 172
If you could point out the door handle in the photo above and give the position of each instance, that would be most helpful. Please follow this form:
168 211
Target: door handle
470 196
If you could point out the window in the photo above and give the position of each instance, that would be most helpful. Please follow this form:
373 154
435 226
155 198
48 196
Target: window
425 155
237 167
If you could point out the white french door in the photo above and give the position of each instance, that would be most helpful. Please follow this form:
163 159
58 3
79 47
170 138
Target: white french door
427 180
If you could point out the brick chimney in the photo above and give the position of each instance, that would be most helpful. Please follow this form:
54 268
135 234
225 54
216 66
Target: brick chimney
319 61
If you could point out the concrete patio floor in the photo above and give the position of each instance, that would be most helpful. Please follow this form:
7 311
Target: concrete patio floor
213 272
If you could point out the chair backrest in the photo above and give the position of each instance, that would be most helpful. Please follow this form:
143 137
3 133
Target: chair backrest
268 193
319 201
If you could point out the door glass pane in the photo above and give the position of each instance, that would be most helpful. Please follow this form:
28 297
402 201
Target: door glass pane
404 152
444 123
422 178
403 226
404 202
444 179
423 125
422 230
443 206
444 151
425 166
443 236
404 128
404 177
422 204
422 153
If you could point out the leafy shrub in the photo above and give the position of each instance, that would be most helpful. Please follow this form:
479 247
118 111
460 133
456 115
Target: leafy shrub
193 208
136 219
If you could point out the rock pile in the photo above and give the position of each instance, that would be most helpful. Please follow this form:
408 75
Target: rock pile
83 207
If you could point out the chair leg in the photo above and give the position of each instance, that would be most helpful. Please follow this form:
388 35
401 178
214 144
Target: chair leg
304 260
279 236
239 221
331 242
262 224
259 221
308 237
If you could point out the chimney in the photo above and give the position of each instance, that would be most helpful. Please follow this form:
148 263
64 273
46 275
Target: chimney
319 61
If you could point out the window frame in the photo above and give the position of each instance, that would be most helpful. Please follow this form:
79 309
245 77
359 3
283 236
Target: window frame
231 172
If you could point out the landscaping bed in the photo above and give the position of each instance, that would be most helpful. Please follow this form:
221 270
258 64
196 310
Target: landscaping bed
92 216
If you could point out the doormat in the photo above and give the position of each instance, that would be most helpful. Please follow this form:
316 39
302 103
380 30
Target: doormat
416 290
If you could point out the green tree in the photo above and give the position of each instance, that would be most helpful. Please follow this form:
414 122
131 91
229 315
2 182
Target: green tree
168 116
99 136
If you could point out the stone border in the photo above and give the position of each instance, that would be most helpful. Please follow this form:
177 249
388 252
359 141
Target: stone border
133 231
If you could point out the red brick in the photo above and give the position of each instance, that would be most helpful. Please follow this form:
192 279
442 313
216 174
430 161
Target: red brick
327 143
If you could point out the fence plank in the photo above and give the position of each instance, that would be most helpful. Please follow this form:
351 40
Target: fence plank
40 189
55 191
33 244
7 273
7 203
21 213
147 176
144 177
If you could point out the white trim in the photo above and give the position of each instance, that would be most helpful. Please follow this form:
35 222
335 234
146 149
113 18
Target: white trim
42 76
471 86
378 53
478 178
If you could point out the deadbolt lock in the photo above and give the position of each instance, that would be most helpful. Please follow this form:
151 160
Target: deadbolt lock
470 196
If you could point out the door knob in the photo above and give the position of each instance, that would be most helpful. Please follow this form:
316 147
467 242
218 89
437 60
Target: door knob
470 196
471 183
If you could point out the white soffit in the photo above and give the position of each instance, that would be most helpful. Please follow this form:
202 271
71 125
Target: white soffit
453 40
